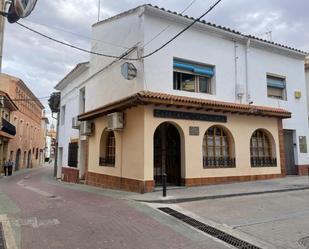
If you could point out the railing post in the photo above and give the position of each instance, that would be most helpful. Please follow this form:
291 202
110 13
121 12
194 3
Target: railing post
164 179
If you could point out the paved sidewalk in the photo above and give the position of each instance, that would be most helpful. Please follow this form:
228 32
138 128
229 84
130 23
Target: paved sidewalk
188 194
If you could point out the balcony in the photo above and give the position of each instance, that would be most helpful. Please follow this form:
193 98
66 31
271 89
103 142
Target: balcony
7 127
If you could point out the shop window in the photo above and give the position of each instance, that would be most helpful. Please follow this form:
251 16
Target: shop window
218 149
73 155
262 150
276 87
107 149
193 77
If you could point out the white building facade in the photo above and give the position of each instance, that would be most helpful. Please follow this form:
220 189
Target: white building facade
210 80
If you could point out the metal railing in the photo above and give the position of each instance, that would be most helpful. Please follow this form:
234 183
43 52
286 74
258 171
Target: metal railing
263 162
219 162
107 161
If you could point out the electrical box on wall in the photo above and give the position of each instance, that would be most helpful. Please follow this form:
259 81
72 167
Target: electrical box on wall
297 94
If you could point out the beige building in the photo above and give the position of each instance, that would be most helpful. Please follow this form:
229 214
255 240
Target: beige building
167 133
26 149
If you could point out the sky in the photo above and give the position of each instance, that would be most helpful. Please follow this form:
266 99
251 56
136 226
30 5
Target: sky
41 63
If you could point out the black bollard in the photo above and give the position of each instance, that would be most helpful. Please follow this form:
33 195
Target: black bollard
164 179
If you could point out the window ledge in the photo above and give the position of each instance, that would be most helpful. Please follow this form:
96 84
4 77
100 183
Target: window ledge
264 166
107 165
219 167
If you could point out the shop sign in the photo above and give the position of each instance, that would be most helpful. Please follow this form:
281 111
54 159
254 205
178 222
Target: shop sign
190 116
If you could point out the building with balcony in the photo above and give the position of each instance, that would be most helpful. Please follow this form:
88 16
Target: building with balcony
7 129
213 106
26 149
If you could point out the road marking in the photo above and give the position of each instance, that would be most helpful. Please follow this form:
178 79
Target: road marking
8 232
35 223
33 189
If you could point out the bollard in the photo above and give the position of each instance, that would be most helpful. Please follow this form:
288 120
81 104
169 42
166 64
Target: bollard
164 179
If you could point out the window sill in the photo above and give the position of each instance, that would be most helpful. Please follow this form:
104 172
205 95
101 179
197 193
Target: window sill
219 167
107 165
264 166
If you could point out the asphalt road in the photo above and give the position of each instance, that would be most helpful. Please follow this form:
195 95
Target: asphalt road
38 212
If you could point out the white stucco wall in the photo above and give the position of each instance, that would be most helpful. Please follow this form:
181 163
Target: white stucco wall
209 48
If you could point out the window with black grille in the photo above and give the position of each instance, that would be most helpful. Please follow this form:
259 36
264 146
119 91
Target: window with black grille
73 155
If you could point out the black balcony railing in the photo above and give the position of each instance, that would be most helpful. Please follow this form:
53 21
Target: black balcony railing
107 161
218 162
263 162
8 128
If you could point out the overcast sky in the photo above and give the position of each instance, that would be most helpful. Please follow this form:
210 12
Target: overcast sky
42 63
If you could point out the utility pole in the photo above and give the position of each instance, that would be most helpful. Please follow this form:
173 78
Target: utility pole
2 22
99 9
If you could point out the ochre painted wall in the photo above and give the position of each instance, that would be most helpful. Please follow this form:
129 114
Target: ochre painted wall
134 145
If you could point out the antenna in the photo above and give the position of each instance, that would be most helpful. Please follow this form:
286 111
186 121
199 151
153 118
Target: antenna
99 9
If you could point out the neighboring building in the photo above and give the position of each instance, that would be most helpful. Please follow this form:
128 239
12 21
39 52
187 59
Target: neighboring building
51 143
7 129
213 106
27 148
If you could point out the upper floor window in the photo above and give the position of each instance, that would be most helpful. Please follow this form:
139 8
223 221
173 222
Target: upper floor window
276 87
193 77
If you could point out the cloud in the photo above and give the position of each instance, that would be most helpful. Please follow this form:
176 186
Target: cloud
42 63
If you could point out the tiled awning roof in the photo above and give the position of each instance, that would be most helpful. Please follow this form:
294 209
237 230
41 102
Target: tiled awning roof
153 98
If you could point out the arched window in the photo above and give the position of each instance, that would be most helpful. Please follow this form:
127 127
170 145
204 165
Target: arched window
261 150
108 149
217 149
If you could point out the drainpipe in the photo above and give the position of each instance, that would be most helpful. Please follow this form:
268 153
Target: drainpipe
247 70
236 71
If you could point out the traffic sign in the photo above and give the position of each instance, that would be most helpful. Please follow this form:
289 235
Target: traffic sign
20 9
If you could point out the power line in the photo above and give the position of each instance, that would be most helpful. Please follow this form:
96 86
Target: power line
77 34
117 57
181 32
168 26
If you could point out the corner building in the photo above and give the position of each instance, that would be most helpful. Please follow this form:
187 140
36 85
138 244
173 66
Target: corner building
215 106
26 149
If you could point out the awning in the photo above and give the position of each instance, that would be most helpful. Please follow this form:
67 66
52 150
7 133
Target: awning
276 83
209 71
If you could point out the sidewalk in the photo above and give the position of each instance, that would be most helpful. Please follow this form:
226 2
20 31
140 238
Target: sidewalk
188 194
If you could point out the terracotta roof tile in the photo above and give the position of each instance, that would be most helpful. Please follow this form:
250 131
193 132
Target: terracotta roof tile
146 97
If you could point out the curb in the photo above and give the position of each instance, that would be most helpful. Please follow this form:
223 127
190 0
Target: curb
199 198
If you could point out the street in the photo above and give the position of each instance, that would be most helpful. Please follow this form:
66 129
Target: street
43 213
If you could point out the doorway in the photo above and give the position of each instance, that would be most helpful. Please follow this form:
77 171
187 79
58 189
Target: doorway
289 153
17 160
167 154
29 160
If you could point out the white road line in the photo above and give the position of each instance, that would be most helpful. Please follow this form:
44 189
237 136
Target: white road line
8 232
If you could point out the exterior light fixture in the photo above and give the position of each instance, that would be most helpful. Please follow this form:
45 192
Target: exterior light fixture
128 71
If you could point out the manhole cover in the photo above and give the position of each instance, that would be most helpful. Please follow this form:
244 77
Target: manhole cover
304 242
2 242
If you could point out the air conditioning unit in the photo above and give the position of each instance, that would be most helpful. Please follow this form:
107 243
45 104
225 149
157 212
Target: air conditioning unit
85 128
240 90
75 123
115 121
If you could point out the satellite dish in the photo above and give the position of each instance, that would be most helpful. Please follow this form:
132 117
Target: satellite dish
20 9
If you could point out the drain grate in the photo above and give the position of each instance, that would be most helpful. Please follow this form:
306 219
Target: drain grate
2 241
237 243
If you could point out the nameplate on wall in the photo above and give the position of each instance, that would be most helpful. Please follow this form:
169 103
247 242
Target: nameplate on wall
194 131
189 116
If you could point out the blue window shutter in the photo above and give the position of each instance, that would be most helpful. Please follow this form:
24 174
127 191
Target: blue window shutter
275 82
209 71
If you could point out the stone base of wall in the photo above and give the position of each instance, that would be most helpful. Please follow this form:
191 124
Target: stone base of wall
303 170
70 175
114 182
218 180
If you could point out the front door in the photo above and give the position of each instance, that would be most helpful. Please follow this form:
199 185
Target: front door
289 153
167 157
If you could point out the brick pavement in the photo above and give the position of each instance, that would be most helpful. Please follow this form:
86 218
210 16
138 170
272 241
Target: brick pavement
59 216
